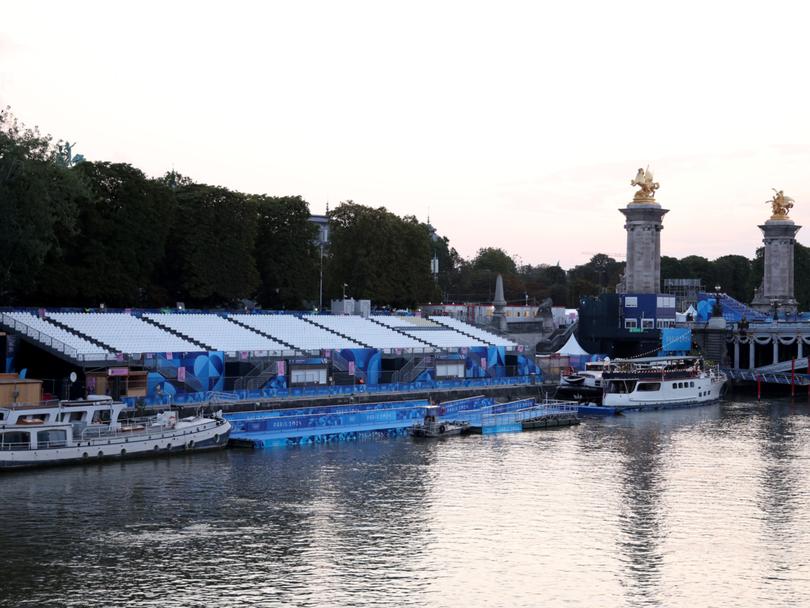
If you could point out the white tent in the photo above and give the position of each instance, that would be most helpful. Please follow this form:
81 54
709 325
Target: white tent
680 317
572 347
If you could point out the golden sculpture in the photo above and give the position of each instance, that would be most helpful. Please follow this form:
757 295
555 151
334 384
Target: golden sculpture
780 205
644 180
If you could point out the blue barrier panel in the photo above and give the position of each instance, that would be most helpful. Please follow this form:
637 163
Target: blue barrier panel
330 391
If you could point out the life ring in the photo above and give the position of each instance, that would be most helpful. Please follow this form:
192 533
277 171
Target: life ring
442 429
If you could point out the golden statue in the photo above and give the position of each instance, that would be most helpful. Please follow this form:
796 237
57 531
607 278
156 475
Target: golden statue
780 205
644 180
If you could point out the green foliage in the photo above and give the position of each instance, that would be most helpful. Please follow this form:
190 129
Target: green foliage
494 260
124 222
211 252
379 255
79 233
286 255
38 207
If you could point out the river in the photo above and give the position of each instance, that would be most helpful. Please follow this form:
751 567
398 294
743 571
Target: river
703 507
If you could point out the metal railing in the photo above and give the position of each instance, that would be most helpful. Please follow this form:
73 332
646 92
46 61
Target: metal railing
51 342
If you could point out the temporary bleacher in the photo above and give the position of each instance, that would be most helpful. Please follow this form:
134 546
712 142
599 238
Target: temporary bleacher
124 332
367 332
473 331
219 334
295 331
428 331
55 337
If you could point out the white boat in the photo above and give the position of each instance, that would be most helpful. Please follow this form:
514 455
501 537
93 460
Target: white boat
589 378
94 430
661 383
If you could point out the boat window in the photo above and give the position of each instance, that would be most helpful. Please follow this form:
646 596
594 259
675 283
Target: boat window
648 324
15 440
630 323
52 439
101 416
649 387
692 384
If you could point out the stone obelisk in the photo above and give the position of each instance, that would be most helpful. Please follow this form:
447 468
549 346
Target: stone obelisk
643 222
776 294
498 316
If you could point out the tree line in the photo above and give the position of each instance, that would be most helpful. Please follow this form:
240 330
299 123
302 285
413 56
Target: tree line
79 233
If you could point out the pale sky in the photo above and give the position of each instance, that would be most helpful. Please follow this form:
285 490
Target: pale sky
514 125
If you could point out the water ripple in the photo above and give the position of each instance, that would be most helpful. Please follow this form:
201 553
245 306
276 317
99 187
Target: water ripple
709 507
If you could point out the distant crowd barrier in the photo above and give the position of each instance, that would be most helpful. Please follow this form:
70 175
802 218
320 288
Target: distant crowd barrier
331 391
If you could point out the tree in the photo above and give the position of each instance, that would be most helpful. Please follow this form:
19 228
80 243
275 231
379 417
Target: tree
38 207
379 256
286 255
210 256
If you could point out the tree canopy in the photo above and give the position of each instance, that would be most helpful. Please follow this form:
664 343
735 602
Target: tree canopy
78 233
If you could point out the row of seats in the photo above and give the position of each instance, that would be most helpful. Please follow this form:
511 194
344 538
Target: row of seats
470 330
296 331
217 333
123 332
271 333
430 332
368 332
49 330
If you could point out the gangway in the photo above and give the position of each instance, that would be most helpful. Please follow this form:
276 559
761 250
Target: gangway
752 375
782 366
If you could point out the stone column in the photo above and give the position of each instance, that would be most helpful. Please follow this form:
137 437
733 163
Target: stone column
736 354
800 348
752 355
775 350
498 316
779 238
643 222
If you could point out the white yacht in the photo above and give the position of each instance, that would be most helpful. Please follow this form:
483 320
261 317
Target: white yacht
661 383
94 429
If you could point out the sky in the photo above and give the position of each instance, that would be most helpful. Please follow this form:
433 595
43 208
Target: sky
510 124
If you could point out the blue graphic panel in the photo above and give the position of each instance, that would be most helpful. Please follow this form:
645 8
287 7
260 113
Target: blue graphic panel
187 373
676 340
367 363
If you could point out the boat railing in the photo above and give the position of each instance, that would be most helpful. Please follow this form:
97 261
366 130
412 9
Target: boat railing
14 445
30 405
134 427
61 443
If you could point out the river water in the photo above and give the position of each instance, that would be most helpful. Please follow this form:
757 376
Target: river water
703 507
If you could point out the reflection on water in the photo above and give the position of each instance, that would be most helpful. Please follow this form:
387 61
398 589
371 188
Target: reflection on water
693 508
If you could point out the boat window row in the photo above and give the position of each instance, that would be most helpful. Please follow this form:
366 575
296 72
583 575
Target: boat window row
683 384
21 440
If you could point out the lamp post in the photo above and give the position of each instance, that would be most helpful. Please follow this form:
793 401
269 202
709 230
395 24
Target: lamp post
320 284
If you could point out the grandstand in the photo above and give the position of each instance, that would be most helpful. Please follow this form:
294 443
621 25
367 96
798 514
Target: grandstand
474 332
430 332
123 333
218 333
299 333
52 336
191 355
375 335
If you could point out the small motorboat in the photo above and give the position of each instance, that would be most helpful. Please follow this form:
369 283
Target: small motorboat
434 428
